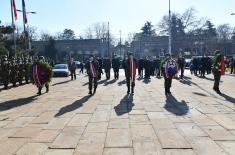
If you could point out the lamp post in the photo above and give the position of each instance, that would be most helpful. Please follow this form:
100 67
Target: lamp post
31 12
170 37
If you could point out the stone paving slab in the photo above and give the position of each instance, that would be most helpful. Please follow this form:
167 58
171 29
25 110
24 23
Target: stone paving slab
118 138
67 121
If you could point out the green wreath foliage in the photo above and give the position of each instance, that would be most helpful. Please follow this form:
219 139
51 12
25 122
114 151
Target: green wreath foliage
45 65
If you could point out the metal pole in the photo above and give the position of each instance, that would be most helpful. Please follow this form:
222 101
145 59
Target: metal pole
110 55
24 24
13 26
170 37
120 43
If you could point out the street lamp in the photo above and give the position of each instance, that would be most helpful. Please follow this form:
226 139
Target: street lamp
31 12
170 37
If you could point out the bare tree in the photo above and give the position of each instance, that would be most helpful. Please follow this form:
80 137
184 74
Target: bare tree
45 36
224 32
88 33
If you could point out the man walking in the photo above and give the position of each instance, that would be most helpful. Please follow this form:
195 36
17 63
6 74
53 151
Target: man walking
72 68
92 71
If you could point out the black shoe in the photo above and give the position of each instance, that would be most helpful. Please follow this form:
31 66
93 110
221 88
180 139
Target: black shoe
90 93
47 90
218 92
94 91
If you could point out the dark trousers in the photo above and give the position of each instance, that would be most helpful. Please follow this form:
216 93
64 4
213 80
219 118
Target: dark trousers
217 78
116 73
232 69
81 70
203 71
40 88
167 84
182 72
73 74
130 85
107 72
91 80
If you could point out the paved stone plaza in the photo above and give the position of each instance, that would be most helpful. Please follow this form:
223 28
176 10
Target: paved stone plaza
66 121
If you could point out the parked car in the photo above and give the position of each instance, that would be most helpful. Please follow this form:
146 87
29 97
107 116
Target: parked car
61 70
187 63
77 64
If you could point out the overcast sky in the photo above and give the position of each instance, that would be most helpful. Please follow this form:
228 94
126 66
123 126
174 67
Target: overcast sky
126 15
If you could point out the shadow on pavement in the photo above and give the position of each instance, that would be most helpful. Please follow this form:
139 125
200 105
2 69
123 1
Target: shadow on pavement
200 94
110 82
101 82
16 103
121 82
186 82
228 98
176 107
210 79
146 81
85 84
63 82
75 105
125 105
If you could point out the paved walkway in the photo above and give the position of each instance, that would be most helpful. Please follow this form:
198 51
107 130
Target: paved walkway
67 121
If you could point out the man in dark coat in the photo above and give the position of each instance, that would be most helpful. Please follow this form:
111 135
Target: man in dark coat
100 69
130 66
107 68
181 64
116 66
92 67
203 66
140 67
72 68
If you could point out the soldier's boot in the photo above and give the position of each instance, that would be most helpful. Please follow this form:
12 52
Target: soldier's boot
47 89
14 84
94 91
90 92
128 90
39 91
132 91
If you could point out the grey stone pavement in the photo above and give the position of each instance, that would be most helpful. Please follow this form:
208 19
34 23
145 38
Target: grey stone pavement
66 121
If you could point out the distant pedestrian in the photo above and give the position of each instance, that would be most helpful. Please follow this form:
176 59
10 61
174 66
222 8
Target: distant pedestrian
72 69
81 67
116 66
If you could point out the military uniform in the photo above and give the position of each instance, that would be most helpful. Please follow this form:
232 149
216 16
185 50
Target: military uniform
107 68
92 67
13 72
116 66
5 72
217 71
21 71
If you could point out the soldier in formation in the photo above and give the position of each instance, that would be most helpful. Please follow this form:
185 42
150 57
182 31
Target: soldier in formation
14 70
116 66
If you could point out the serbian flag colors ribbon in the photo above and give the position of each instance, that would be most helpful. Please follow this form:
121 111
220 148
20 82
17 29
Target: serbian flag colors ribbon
36 71
93 71
132 70
13 5
222 67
